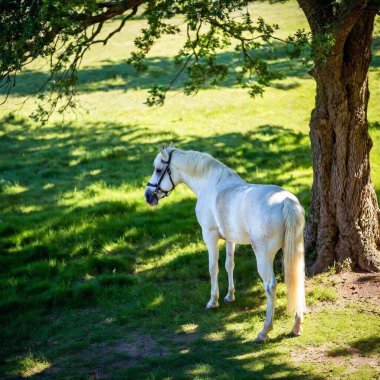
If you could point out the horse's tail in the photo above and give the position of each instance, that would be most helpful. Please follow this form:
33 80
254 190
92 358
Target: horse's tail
294 261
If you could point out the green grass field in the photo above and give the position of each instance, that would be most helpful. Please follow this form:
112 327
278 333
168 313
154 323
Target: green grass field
94 284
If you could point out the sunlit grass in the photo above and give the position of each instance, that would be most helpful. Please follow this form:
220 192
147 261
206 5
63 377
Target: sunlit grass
319 294
29 365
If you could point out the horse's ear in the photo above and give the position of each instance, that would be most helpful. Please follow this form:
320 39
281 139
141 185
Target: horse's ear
171 146
164 153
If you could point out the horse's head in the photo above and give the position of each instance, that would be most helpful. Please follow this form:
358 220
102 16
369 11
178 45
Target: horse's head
162 181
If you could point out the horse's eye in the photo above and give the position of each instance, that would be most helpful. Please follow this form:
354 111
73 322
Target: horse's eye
158 170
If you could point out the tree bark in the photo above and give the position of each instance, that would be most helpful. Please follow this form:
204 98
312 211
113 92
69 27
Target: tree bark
343 227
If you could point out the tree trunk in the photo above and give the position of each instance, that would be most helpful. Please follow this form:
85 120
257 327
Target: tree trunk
344 220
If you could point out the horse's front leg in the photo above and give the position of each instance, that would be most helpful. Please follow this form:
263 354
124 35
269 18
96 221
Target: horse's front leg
210 237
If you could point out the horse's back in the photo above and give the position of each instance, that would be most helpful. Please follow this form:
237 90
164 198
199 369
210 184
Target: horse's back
250 214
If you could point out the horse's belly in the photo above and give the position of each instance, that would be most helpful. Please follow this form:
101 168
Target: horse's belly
236 238
234 232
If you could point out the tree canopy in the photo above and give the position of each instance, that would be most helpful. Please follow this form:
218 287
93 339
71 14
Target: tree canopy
62 32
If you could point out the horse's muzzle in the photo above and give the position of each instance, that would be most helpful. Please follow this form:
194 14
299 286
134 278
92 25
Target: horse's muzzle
151 197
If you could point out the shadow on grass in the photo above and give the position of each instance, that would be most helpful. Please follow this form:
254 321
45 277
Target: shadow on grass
86 266
122 76
111 75
366 346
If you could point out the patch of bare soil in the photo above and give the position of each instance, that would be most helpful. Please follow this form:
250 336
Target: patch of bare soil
362 287
314 354
139 346
328 355
126 353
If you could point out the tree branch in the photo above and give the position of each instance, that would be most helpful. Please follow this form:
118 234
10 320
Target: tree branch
113 9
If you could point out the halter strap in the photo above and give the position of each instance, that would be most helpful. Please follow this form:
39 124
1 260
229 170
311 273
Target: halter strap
166 170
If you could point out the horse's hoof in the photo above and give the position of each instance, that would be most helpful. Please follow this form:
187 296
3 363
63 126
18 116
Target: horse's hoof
211 306
261 338
296 331
229 299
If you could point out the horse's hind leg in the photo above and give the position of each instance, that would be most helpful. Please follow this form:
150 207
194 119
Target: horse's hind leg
265 269
230 250
297 328
211 237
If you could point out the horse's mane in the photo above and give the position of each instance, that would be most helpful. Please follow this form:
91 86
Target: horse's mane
201 164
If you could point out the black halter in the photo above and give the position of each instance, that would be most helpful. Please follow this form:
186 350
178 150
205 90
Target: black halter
166 170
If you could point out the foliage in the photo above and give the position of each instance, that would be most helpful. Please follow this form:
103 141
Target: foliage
63 32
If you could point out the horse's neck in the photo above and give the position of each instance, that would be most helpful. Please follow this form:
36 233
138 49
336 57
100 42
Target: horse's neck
202 184
195 183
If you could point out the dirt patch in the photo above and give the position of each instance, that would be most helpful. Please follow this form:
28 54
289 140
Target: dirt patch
145 345
139 346
126 353
364 290
362 287
314 354
330 355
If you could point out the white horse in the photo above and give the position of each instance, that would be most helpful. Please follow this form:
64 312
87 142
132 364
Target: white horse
265 216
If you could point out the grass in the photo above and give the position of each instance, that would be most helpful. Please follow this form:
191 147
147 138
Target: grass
95 284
